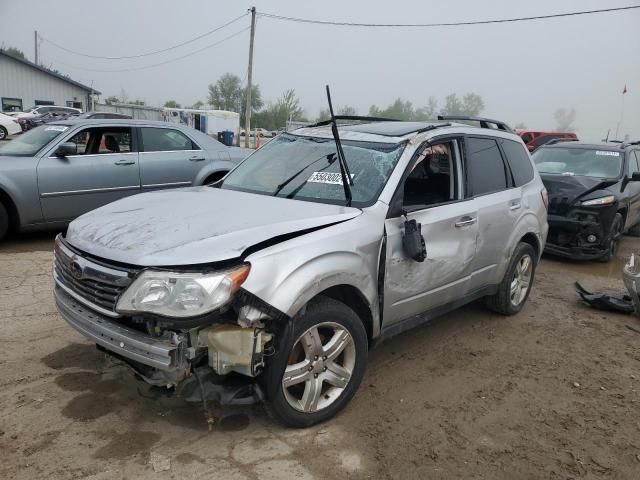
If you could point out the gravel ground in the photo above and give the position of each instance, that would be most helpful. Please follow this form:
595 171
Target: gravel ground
549 393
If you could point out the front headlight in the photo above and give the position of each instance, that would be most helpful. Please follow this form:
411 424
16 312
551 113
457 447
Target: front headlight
608 200
172 294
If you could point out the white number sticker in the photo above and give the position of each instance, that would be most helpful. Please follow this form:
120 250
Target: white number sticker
56 128
607 153
331 178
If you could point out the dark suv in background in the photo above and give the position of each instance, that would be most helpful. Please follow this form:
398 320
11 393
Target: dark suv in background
594 196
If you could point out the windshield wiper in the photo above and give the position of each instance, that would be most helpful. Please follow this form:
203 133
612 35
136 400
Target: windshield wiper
347 181
290 179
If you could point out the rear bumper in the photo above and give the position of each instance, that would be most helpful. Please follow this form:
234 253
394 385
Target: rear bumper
163 354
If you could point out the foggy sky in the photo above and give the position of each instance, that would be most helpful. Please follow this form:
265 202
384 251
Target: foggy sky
523 71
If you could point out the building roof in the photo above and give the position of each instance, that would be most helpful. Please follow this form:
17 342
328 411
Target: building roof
48 72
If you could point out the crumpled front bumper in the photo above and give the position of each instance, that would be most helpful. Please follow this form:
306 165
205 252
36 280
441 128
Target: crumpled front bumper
568 235
165 354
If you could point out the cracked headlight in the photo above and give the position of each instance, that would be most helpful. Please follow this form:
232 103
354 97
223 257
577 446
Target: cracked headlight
173 294
608 200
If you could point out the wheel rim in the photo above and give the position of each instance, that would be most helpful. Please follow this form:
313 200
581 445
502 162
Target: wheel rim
521 280
615 237
2 134
319 368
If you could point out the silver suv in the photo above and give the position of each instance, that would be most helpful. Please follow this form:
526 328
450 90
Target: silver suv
274 282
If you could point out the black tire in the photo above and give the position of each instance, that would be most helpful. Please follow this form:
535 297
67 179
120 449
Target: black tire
214 177
502 301
4 221
3 133
615 234
635 230
318 312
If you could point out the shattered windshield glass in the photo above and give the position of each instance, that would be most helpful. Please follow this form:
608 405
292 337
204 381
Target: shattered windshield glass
579 161
307 168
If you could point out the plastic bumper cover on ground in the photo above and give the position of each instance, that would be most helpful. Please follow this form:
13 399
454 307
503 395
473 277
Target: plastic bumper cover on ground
157 353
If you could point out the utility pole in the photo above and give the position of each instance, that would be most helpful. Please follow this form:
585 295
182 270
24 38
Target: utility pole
247 112
35 44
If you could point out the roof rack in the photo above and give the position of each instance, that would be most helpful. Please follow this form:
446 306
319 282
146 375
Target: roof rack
484 122
352 117
624 145
559 140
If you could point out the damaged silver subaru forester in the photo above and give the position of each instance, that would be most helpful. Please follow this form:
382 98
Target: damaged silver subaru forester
273 283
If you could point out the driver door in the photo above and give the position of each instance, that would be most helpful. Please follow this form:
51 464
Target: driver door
104 169
432 195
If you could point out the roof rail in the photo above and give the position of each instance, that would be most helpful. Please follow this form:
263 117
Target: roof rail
624 145
559 140
353 117
484 122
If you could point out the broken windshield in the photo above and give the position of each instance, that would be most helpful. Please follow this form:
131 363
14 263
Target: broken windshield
306 168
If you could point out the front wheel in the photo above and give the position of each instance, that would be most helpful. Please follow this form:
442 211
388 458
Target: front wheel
319 366
515 286
3 133
615 235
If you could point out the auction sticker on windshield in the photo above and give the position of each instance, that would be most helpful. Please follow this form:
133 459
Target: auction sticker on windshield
331 178
56 128
607 153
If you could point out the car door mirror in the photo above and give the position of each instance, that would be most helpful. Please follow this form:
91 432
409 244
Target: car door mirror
66 149
413 241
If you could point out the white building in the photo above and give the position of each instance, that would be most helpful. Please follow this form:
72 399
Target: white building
24 84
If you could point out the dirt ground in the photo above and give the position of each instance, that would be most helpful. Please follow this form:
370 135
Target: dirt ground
550 393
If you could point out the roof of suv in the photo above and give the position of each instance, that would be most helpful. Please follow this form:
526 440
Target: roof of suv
393 131
609 146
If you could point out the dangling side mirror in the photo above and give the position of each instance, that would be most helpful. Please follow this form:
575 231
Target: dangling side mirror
413 241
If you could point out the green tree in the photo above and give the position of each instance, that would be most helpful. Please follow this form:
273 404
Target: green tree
346 110
15 52
471 104
276 115
197 105
111 100
428 112
256 101
564 119
226 93
172 104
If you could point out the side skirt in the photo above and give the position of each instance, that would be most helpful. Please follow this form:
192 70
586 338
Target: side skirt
424 317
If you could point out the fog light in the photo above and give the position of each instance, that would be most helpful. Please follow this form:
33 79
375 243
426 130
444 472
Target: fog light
592 238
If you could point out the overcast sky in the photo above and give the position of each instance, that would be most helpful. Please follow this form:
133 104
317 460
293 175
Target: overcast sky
523 71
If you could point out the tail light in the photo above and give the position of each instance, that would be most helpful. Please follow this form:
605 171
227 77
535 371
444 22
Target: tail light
545 198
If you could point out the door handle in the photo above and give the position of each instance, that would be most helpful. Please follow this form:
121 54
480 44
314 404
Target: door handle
515 205
124 162
196 159
465 222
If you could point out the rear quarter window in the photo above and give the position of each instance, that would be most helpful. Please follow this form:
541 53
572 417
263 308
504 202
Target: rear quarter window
519 163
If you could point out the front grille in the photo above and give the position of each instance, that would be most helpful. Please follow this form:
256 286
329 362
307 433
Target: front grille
96 285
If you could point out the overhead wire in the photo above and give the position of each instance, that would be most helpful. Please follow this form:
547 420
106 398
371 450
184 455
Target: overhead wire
442 24
124 57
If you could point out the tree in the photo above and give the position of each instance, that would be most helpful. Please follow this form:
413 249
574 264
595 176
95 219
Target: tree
346 110
428 112
111 100
226 93
520 125
404 110
276 115
15 52
197 105
564 119
471 104
172 104
256 101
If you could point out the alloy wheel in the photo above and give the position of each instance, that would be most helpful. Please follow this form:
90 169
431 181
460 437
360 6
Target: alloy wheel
521 280
319 368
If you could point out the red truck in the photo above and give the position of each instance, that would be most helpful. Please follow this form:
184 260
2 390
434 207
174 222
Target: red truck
535 138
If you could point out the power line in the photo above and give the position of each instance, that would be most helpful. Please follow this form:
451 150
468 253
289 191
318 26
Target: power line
148 53
160 63
449 24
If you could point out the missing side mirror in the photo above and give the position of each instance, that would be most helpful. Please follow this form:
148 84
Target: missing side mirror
413 241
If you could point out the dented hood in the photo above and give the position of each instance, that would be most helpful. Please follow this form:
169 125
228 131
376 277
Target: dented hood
194 225
564 190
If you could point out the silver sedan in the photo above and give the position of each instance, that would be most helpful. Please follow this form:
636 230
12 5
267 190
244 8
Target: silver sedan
57 172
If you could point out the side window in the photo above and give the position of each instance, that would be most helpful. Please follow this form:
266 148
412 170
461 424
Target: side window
165 139
485 168
96 141
432 179
633 163
519 162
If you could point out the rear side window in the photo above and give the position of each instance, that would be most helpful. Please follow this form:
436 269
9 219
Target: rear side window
485 168
519 162
165 140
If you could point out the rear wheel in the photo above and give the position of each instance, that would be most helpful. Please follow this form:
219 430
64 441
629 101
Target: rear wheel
3 133
320 366
4 221
515 286
615 235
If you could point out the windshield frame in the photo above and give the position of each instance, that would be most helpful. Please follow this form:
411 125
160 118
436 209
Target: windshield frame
594 148
338 201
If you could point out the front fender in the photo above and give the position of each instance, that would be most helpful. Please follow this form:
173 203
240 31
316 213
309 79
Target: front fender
23 193
212 168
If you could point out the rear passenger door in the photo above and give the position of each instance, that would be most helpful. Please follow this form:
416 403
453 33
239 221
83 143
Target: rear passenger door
168 158
489 182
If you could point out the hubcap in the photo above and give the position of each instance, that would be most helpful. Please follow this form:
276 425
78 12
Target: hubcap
521 280
319 368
